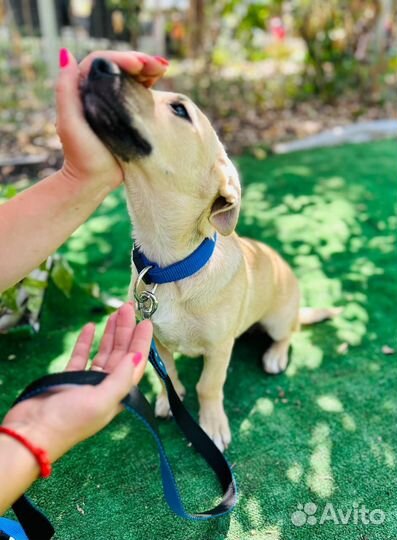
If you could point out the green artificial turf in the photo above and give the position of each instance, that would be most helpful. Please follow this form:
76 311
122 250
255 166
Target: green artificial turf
323 432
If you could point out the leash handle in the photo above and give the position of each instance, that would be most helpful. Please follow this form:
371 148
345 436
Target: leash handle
38 527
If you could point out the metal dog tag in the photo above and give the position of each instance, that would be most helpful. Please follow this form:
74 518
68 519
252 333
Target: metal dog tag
146 301
147 304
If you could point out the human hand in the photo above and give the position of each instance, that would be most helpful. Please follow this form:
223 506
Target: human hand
59 420
86 158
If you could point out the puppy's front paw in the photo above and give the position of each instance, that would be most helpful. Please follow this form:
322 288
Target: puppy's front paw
214 422
162 407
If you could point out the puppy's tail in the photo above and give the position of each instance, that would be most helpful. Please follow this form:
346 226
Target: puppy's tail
309 315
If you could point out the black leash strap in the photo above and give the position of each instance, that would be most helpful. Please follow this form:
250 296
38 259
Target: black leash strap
38 527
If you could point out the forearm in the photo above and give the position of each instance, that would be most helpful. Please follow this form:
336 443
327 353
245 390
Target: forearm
18 471
37 221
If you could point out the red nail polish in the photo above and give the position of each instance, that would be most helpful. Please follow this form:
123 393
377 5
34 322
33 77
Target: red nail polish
63 58
137 358
162 60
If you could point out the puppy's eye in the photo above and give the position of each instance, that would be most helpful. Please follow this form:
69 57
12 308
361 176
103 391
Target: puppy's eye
180 110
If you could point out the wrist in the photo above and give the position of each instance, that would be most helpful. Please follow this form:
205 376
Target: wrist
102 181
38 436
21 464
21 455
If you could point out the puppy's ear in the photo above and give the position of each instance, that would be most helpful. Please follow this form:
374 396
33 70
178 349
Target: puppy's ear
226 206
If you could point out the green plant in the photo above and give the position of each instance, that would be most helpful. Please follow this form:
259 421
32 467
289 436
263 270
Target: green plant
339 39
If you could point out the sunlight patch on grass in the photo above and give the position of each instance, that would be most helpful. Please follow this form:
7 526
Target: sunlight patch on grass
323 227
294 170
263 406
390 458
273 532
58 363
245 427
69 340
254 205
296 203
362 269
236 529
348 422
351 326
390 405
329 403
86 240
373 367
112 201
385 244
121 433
320 479
304 354
318 290
295 473
331 183
383 453
100 224
253 509
269 532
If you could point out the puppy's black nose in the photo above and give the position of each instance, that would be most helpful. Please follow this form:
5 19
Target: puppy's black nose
100 69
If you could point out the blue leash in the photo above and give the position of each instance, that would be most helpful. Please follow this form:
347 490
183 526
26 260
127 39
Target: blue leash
34 524
11 529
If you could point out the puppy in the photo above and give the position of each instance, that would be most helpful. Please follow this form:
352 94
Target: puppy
182 188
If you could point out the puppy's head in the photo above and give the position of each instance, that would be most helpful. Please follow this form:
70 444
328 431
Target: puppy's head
165 142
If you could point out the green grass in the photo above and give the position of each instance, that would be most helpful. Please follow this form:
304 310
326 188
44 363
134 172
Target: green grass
322 432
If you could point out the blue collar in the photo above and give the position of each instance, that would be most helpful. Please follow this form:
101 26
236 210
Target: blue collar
179 270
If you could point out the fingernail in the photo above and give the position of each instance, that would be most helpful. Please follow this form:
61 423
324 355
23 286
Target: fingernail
162 60
63 58
137 358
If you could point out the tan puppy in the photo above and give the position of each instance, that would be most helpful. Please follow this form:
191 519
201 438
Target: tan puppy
181 188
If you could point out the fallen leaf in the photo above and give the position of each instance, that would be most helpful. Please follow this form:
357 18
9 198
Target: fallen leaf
388 350
342 348
80 509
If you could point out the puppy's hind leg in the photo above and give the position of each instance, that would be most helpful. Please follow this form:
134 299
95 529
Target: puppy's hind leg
280 326
275 359
162 407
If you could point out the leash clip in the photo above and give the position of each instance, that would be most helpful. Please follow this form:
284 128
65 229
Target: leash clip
146 301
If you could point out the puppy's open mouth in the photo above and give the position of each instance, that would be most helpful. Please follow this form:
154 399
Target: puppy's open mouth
106 112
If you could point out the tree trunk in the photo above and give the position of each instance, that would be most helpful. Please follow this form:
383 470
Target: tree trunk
49 32
196 17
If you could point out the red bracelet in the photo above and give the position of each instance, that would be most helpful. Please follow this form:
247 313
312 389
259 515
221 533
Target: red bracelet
41 455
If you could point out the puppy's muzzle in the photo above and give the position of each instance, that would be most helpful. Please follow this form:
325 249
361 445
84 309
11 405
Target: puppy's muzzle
106 111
